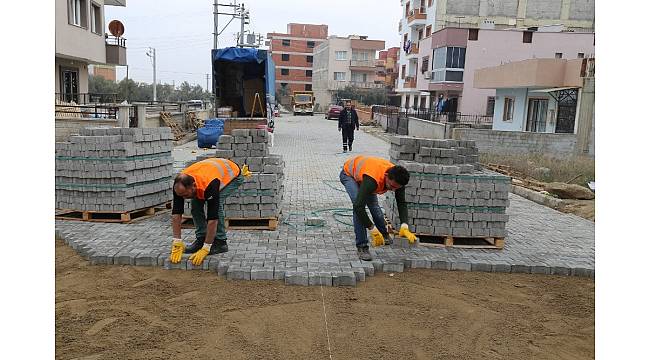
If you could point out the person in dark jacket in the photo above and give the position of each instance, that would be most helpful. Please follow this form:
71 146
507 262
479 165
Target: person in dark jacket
348 121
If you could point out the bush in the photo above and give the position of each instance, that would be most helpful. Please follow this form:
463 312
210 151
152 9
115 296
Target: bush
561 169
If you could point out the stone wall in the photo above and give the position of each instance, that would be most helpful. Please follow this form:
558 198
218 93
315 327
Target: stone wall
64 127
517 142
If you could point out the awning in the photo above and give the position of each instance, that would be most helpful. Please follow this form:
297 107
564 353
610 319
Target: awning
551 91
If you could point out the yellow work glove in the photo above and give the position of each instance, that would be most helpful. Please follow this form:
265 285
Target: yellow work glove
197 257
177 250
245 171
377 237
405 232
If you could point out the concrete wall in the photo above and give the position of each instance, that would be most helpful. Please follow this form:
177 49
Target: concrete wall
153 120
426 129
77 42
64 127
518 143
544 9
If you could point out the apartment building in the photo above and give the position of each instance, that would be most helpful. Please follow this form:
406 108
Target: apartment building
293 54
388 67
105 71
345 61
80 40
427 25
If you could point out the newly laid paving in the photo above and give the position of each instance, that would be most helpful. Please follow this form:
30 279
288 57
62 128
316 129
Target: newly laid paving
540 239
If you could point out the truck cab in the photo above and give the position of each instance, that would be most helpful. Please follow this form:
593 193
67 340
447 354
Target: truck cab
303 102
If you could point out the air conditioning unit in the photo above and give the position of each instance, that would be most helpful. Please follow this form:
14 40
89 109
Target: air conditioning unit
427 74
411 12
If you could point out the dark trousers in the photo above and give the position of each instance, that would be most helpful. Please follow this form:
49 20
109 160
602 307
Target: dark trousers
348 137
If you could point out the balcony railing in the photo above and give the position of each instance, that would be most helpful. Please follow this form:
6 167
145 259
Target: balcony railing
410 82
417 14
97 111
115 50
88 98
362 63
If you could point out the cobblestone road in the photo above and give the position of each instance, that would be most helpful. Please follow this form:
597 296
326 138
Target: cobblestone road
540 239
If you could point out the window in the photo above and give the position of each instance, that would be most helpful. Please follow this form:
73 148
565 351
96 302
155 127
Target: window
408 9
285 57
448 63
311 44
286 42
456 57
360 55
308 73
528 37
284 71
420 34
473 34
339 76
78 13
341 55
430 3
403 71
405 39
508 109
558 55
310 59
284 85
489 111
428 32
307 87
96 19
425 64
581 55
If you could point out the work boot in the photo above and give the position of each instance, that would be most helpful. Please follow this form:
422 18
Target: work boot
364 253
196 245
345 148
218 247
350 147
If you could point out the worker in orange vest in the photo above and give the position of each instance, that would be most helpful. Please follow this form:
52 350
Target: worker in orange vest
209 182
364 177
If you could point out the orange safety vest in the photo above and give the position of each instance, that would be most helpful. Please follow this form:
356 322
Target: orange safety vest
374 167
207 170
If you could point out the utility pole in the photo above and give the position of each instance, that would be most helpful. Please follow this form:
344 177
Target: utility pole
243 19
215 12
152 54
207 79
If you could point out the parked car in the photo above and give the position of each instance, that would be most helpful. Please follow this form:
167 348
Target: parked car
333 112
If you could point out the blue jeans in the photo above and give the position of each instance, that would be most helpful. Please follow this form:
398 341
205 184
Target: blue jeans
360 231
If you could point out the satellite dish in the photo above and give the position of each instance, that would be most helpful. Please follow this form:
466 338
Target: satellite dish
116 28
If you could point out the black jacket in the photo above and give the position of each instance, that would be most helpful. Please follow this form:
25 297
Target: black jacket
343 119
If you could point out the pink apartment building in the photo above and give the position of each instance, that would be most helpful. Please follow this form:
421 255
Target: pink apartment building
444 62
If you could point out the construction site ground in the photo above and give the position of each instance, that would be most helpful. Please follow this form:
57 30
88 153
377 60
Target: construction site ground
135 312
485 311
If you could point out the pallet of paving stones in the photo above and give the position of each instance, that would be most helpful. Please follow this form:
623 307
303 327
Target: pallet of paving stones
113 217
270 223
114 170
451 200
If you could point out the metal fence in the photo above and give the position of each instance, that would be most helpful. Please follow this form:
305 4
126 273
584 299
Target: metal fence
398 118
163 106
89 98
97 111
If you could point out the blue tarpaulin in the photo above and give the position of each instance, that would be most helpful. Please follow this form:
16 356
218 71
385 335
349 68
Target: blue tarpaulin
241 55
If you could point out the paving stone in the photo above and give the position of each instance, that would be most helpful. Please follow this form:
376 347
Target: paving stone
345 278
296 278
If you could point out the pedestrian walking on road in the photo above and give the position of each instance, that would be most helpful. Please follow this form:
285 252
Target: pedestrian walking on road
209 182
348 121
364 177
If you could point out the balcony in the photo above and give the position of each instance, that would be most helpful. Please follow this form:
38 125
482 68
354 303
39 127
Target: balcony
413 51
417 17
116 50
362 65
410 82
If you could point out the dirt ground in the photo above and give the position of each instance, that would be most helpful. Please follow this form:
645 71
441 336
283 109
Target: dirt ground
584 208
128 312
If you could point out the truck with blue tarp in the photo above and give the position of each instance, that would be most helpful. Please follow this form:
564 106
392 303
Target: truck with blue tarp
241 76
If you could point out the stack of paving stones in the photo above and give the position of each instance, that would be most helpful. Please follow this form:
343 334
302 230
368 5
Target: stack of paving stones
114 169
449 193
260 196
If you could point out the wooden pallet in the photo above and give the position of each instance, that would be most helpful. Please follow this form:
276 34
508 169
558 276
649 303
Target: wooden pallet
270 223
463 242
166 117
111 216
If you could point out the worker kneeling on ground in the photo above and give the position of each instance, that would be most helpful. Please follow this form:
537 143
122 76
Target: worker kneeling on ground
364 177
208 181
